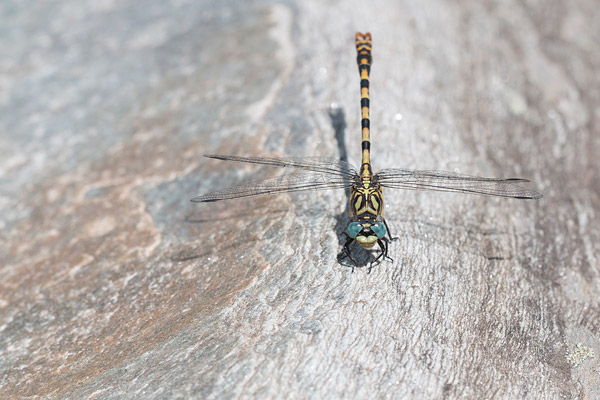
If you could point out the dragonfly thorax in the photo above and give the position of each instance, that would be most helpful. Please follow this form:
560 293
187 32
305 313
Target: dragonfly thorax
366 212
366 200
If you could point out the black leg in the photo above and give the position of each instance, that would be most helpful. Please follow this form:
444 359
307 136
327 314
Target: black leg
347 253
388 230
384 255
383 245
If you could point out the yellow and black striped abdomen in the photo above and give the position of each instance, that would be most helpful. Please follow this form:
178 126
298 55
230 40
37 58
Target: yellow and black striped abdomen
364 60
363 48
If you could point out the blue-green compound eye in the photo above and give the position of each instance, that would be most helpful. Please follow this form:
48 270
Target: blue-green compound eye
379 229
354 229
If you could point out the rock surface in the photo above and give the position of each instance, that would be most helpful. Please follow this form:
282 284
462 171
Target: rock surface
113 285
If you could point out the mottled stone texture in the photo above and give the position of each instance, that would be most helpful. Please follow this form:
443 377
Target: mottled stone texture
113 285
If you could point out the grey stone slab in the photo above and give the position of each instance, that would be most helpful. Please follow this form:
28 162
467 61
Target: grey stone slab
113 285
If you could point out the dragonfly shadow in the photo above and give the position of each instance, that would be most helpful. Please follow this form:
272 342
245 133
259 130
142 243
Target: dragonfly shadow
363 258
338 122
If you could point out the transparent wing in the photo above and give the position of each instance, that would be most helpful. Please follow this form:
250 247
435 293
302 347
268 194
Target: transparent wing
278 184
316 164
454 182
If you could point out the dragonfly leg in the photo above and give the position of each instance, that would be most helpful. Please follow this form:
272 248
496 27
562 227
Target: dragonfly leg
388 230
347 253
383 245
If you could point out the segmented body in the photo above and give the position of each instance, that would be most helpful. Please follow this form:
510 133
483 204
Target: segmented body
366 197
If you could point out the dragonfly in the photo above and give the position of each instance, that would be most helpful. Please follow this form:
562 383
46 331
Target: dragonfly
367 225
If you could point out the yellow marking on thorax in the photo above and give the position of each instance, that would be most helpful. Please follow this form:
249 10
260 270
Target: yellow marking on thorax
380 200
366 199
368 195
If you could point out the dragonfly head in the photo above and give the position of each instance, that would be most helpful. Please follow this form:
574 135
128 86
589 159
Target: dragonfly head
366 234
